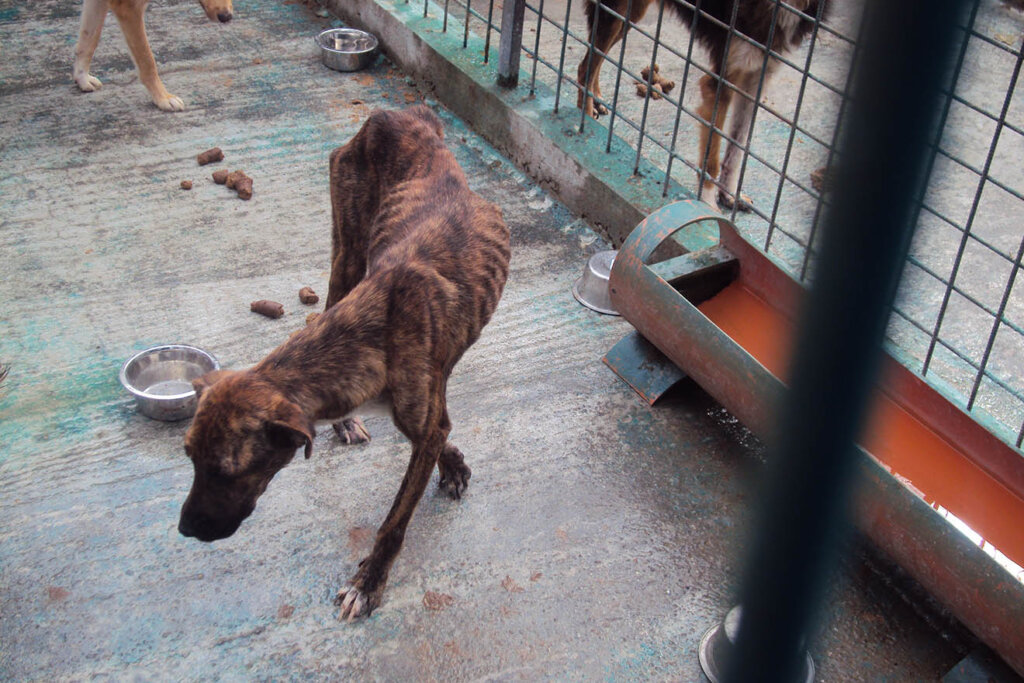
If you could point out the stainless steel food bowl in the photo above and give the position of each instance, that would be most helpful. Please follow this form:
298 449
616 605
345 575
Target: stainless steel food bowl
347 49
591 289
160 379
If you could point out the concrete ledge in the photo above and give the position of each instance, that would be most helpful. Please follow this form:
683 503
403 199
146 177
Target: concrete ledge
597 185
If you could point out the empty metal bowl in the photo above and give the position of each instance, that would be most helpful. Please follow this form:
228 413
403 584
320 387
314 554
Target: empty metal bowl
591 289
160 379
347 49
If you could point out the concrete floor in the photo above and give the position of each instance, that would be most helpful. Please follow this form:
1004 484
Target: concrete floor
598 538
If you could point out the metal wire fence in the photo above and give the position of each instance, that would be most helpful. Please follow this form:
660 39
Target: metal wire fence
959 316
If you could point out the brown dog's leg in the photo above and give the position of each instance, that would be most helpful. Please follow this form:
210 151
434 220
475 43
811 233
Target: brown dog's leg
610 30
454 471
130 15
365 589
93 14
708 150
739 131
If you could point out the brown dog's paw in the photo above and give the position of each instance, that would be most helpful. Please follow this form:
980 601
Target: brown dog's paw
455 473
745 204
351 431
354 603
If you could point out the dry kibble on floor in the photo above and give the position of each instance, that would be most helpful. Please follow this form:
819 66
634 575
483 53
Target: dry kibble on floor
220 176
210 156
244 188
186 184
271 309
308 296
311 317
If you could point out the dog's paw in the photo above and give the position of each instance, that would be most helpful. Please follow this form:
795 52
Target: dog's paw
745 203
354 603
351 431
88 83
169 103
455 473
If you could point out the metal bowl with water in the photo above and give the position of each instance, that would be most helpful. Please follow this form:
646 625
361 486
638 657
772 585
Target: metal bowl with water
160 379
347 49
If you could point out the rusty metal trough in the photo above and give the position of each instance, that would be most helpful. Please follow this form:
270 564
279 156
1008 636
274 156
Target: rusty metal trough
725 316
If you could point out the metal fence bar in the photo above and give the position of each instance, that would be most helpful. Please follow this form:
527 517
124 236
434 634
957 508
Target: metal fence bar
561 59
974 210
536 49
718 94
812 40
753 114
868 235
510 46
682 93
998 319
618 75
650 85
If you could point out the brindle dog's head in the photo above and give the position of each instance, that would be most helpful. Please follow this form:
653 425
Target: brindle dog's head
243 433
217 10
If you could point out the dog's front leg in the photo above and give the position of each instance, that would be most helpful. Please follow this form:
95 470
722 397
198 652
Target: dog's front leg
364 591
93 14
130 17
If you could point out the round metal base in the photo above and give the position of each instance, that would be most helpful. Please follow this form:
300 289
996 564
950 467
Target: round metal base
714 651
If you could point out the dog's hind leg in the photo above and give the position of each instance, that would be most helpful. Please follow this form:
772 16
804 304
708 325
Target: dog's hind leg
130 15
610 30
454 471
739 132
709 149
427 426
93 14
348 232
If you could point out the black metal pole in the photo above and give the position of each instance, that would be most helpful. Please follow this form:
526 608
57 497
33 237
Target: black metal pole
511 43
905 58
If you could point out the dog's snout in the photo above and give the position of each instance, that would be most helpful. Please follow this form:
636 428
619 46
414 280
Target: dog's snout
224 17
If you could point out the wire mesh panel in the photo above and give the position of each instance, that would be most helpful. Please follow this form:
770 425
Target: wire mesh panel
778 102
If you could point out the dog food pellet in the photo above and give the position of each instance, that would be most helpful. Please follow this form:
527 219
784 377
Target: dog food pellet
243 186
210 156
221 176
186 184
308 296
311 317
271 309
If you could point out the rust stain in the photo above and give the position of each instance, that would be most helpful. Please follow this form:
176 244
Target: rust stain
57 594
435 602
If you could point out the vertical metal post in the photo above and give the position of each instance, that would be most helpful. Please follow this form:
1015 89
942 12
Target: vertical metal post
511 43
905 58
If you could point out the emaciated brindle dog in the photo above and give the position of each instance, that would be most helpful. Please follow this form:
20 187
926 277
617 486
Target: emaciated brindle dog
419 263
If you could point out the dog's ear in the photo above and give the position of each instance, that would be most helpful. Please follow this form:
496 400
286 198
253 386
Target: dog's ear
429 116
291 428
209 379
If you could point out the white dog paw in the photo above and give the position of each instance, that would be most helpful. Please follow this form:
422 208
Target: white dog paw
88 83
170 103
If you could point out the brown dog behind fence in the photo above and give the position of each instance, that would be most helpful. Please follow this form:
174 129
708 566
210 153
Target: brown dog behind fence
734 33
